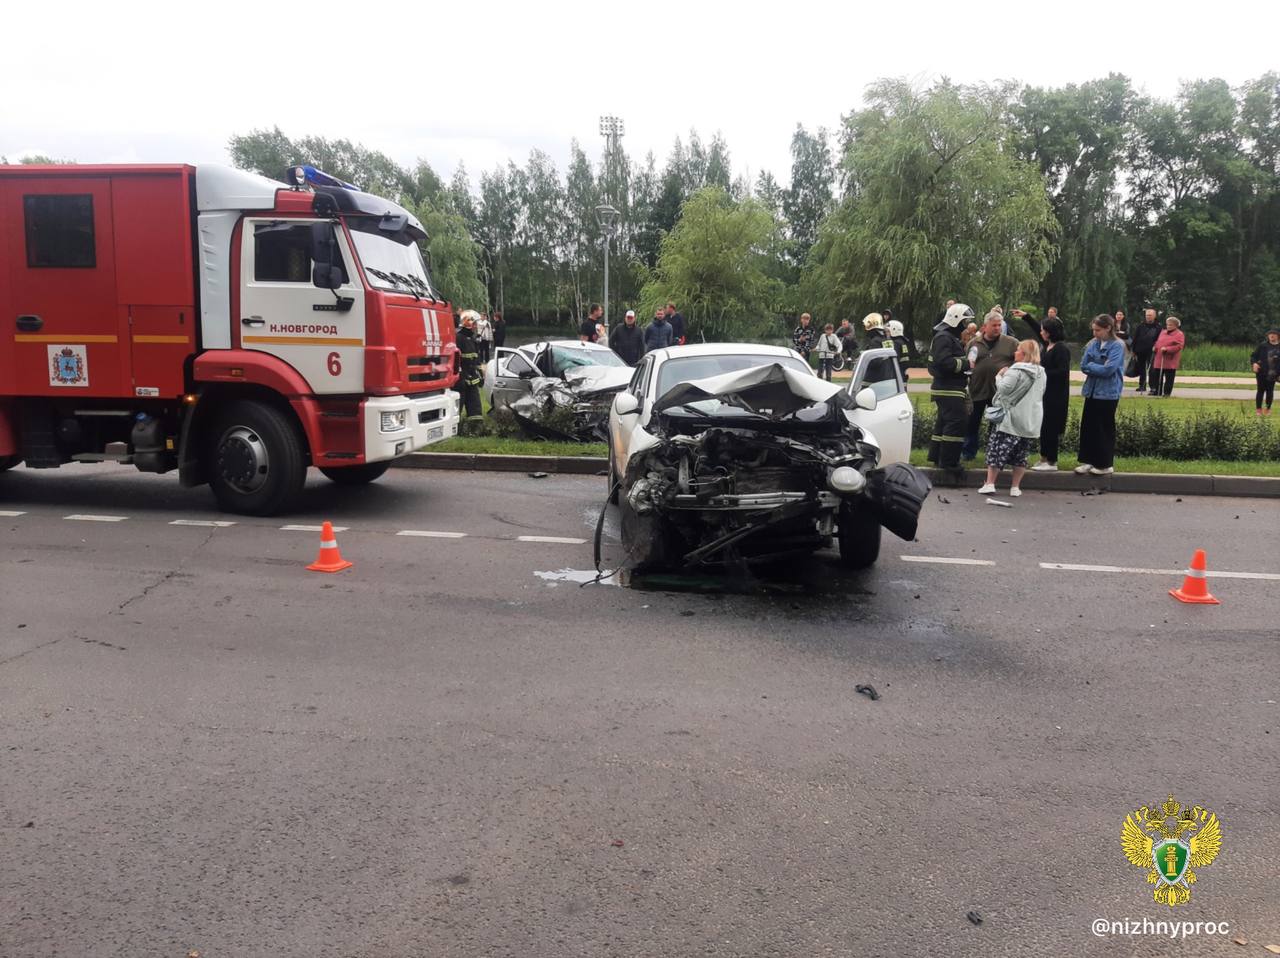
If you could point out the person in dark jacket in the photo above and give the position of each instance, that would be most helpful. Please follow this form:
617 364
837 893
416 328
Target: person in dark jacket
658 335
587 329
1142 341
627 340
989 352
1266 368
804 336
1055 357
469 355
499 330
873 323
845 333
1122 328
949 367
677 325
898 340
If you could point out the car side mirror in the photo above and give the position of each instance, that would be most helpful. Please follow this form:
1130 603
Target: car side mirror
865 399
625 404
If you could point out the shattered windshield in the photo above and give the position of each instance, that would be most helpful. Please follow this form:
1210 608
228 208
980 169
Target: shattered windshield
566 357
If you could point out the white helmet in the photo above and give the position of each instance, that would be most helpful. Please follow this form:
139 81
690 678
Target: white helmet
957 314
895 328
872 321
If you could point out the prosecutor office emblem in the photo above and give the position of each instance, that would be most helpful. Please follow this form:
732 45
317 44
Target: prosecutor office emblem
1169 842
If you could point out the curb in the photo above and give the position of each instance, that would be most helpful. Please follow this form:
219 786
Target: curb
564 465
1258 487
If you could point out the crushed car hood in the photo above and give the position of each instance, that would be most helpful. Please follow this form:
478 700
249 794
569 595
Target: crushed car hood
589 381
774 391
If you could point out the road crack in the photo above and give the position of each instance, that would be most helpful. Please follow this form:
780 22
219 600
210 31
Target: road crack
176 570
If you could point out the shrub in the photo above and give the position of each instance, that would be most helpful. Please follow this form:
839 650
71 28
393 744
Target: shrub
1148 432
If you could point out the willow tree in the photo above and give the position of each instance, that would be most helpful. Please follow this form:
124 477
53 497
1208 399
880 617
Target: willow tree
937 203
715 266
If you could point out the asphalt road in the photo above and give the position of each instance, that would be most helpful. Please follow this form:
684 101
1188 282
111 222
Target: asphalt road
453 750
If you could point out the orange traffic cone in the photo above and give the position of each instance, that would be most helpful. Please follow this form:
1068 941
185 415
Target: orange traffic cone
329 558
1194 588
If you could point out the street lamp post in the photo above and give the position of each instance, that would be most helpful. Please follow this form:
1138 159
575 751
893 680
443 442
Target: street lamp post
611 128
608 217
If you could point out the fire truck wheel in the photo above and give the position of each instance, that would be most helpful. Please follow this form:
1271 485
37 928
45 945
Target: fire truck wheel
257 463
8 462
357 475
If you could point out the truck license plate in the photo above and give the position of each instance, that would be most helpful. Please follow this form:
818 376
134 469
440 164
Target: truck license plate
435 432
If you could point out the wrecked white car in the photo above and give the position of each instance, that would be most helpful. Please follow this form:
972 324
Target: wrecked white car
557 390
724 454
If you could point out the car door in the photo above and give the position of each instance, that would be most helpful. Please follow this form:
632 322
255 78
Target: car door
508 377
890 421
622 427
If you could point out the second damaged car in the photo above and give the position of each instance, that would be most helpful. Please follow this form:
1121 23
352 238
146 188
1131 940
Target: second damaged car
730 454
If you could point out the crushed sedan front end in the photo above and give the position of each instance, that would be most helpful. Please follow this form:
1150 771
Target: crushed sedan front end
758 466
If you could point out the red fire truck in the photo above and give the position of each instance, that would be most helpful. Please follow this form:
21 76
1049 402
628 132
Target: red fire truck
220 323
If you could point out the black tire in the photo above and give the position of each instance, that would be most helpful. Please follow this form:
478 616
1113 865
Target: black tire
647 542
859 533
8 462
357 475
257 462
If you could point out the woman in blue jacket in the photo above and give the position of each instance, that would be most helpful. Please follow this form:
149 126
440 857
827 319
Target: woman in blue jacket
1103 368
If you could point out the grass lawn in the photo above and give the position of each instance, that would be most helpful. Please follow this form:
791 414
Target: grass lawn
499 445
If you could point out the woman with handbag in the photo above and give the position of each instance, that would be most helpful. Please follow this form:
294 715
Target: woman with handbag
1016 413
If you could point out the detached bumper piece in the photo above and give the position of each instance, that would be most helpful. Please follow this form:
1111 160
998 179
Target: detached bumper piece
895 495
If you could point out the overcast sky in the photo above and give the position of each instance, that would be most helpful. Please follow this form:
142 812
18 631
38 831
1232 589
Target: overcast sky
486 82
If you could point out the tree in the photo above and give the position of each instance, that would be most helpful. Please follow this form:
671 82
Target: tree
937 203
809 199
455 264
714 263
1077 135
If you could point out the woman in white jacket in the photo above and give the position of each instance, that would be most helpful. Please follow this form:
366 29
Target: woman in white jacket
1020 396
829 347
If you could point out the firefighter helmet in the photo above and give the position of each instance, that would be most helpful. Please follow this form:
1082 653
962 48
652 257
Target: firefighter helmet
873 321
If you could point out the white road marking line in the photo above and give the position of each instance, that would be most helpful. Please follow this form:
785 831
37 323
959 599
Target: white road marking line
312 528
940 560
560 539
1073 567
204 523
11 515
88 518
424 534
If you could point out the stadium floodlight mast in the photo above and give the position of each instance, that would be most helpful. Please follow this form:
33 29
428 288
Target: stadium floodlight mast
611 128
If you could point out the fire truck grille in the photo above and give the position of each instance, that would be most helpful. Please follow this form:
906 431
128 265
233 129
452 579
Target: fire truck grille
436 368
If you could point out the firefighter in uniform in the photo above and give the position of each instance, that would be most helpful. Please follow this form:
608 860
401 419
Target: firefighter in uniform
949 366
469 353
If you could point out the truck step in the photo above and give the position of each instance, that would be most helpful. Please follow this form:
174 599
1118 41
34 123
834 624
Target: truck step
114 452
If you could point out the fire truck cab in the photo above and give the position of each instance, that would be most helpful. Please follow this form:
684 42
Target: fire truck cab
213 321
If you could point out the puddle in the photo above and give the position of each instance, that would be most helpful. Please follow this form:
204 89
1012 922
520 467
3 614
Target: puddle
580 576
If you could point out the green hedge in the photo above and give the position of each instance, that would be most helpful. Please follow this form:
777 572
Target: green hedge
1150 433
1217 358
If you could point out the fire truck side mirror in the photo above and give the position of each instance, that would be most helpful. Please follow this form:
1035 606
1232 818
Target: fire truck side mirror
326 273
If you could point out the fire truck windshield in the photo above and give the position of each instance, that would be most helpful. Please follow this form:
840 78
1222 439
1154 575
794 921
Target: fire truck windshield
389 263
